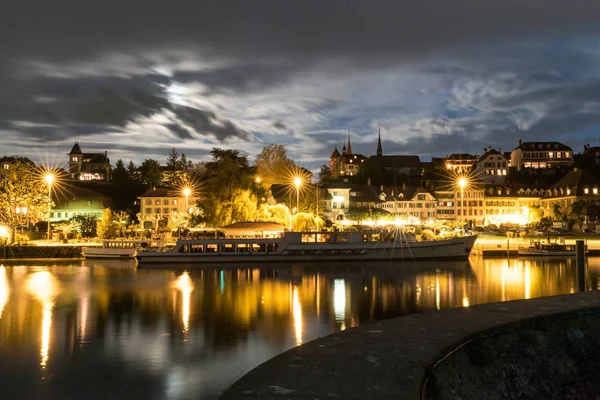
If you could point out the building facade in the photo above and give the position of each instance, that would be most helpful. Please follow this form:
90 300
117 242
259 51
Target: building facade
492 167
88 166
541 155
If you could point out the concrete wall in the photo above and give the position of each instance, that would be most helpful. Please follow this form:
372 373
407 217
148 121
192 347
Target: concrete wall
555 357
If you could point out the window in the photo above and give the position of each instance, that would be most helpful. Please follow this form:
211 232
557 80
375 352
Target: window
173 210
165 210
5 166
148 210
148 202
586 190
75 159
157 202
595 190
558 154
157 211
551 154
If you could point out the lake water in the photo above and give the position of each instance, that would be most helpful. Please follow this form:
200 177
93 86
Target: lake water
108 330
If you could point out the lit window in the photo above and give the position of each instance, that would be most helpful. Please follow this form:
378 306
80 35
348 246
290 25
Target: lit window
5 166
586 190
504 172
551 154
568 192
157 202
75 159
595 190
175 202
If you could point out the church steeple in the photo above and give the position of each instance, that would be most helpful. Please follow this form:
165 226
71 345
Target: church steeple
379 148
349 152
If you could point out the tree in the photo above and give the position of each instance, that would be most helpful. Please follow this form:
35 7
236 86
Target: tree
107 227
325 174
150 173
119 173
85 224
22 188
273 165
536 213
557 213
578 211
132 172
171 176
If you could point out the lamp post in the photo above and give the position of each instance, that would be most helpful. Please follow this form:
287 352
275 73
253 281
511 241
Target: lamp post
462 182
317 207
49 178
297 182
257 180
186 193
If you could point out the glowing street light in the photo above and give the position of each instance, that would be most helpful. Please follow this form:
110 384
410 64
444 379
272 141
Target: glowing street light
186 192
297 182
49 178
462 182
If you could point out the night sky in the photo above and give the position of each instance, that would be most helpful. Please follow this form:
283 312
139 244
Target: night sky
137 78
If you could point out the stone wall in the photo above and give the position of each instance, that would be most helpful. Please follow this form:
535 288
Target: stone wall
25 252
556 357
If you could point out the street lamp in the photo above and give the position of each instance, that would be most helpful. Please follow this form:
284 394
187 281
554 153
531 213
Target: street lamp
257 180
186 193
49 178
462 182
297 182
317 207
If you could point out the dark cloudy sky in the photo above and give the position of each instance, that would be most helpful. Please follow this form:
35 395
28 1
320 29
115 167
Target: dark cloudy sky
136 77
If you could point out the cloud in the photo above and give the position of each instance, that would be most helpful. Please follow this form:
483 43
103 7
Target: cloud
439 78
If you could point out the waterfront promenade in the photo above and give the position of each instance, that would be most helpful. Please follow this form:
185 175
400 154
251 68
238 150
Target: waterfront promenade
390 359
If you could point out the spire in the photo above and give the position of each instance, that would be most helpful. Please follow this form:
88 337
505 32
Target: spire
379 148
344 149
76 149
336 153
349 144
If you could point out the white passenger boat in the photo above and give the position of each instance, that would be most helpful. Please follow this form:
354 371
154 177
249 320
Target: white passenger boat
116 248
548 250
311 246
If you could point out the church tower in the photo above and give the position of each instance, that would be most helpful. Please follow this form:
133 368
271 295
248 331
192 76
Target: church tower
379 148
75 161
349 151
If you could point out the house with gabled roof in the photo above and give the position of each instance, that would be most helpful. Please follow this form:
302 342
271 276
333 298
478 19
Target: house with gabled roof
577 185
88 166
418 203
492 167
541 155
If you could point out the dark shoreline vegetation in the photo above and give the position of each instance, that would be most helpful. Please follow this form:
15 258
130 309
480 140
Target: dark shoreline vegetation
46 252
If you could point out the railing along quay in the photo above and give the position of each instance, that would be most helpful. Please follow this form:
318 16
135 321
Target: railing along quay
510 247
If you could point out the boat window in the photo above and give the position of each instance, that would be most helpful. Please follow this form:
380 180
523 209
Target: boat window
323 237
340 237
259 248
244 248
184 249
308 238
212 248
227 248
271 247
197 248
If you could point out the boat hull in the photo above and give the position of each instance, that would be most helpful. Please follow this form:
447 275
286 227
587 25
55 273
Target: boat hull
452 249
99 252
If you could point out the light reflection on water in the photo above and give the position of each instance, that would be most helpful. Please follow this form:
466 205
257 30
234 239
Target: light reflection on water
108 330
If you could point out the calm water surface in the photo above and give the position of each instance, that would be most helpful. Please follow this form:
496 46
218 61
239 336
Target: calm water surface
105 329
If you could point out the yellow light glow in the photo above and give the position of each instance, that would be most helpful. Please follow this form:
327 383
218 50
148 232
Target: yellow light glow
465 301
44 287
297 315
257 179
49 178
4 289
339 300
297 181
185 285
187 191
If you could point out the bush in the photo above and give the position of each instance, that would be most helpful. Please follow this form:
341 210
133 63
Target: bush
427 234
21 239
